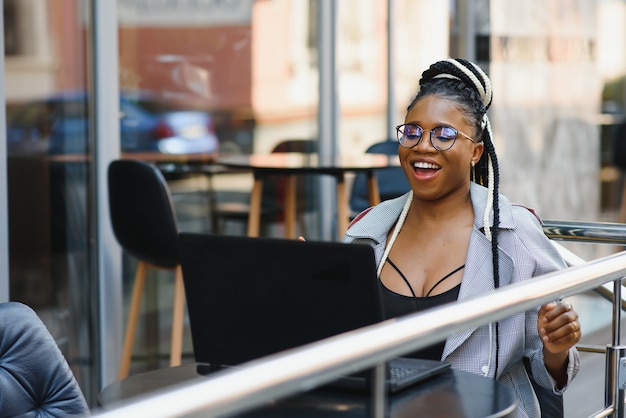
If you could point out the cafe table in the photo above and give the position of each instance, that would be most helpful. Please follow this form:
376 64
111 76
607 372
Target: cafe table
178 164
182 162
292 165
452 394
159 157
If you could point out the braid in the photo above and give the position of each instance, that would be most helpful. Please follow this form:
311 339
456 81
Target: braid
494 238
478 78
466 84
493 175
496 210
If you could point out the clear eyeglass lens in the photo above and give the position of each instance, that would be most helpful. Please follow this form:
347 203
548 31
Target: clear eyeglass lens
412 132
443 137
409 135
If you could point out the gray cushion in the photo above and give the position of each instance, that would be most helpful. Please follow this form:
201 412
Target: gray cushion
35 378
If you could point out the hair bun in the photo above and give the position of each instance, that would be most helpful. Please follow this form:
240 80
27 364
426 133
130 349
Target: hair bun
464 71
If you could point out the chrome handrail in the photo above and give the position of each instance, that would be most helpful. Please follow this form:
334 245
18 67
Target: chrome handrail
306 367
586 232
592 232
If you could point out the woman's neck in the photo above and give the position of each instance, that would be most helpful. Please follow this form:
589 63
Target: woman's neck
443 210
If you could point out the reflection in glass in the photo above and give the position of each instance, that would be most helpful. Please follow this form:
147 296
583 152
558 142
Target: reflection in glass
48 163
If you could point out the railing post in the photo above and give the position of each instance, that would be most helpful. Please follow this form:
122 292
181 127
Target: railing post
617 311
379 394
615 379
615 367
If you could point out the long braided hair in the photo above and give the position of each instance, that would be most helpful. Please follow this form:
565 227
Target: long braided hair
467 85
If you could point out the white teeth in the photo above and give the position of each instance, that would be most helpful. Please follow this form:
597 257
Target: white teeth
419 164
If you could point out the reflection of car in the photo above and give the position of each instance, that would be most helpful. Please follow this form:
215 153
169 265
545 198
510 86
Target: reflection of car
59 125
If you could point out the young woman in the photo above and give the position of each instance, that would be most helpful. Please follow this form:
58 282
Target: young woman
451 238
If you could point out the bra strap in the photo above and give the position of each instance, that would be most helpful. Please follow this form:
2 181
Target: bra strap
444 278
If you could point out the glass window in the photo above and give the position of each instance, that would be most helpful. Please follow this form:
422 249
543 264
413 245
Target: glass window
48 158
248 68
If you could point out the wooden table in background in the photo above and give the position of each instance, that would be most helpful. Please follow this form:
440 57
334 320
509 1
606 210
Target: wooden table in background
294 164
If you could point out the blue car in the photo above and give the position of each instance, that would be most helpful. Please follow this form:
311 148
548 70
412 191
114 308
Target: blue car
59 125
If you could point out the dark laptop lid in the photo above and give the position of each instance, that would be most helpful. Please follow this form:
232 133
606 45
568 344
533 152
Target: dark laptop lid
251 297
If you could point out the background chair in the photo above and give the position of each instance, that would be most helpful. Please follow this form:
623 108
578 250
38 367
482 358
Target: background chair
35 378
391 180
144 223
274 189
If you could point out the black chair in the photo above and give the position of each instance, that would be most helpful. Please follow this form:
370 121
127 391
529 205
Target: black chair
35 378
274 190
391 180
144 223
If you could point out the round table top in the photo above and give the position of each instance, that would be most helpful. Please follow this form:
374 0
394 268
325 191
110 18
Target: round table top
451 394
312 163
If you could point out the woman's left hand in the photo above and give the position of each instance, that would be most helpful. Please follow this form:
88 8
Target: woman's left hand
558 326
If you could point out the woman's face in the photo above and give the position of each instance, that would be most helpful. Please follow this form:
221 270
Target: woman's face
435 174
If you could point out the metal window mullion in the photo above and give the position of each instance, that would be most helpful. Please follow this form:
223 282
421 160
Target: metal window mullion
4 183
105 142
391 93
328 109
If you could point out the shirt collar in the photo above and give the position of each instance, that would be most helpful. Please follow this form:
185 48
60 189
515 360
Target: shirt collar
478 195
381 218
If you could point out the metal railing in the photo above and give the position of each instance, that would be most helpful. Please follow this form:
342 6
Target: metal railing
587 232
591 232
306 367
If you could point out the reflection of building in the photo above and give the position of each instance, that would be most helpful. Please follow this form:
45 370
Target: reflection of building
254 65
204 67
46 52
194 51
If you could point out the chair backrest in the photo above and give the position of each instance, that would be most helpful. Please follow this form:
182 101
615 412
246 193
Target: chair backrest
391 180
35 379
142 212
307 146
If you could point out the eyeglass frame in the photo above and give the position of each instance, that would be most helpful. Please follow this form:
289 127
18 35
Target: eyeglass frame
457 132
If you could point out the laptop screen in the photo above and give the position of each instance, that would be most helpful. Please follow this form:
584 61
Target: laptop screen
251 297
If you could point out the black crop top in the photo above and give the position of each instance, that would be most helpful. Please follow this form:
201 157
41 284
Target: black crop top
395 304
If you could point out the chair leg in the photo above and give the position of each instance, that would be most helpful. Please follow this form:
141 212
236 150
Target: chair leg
131 324
176 350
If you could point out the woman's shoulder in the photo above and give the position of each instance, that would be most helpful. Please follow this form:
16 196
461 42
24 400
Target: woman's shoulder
360 216
511 213
526 213
377 219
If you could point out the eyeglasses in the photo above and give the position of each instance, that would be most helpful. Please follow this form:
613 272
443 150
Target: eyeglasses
442 137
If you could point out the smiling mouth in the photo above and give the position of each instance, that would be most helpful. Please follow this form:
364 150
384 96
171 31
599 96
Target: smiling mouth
426 166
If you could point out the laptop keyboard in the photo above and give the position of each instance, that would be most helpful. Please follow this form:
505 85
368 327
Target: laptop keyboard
400 373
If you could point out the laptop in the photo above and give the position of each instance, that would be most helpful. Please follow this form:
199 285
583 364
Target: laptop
251 297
